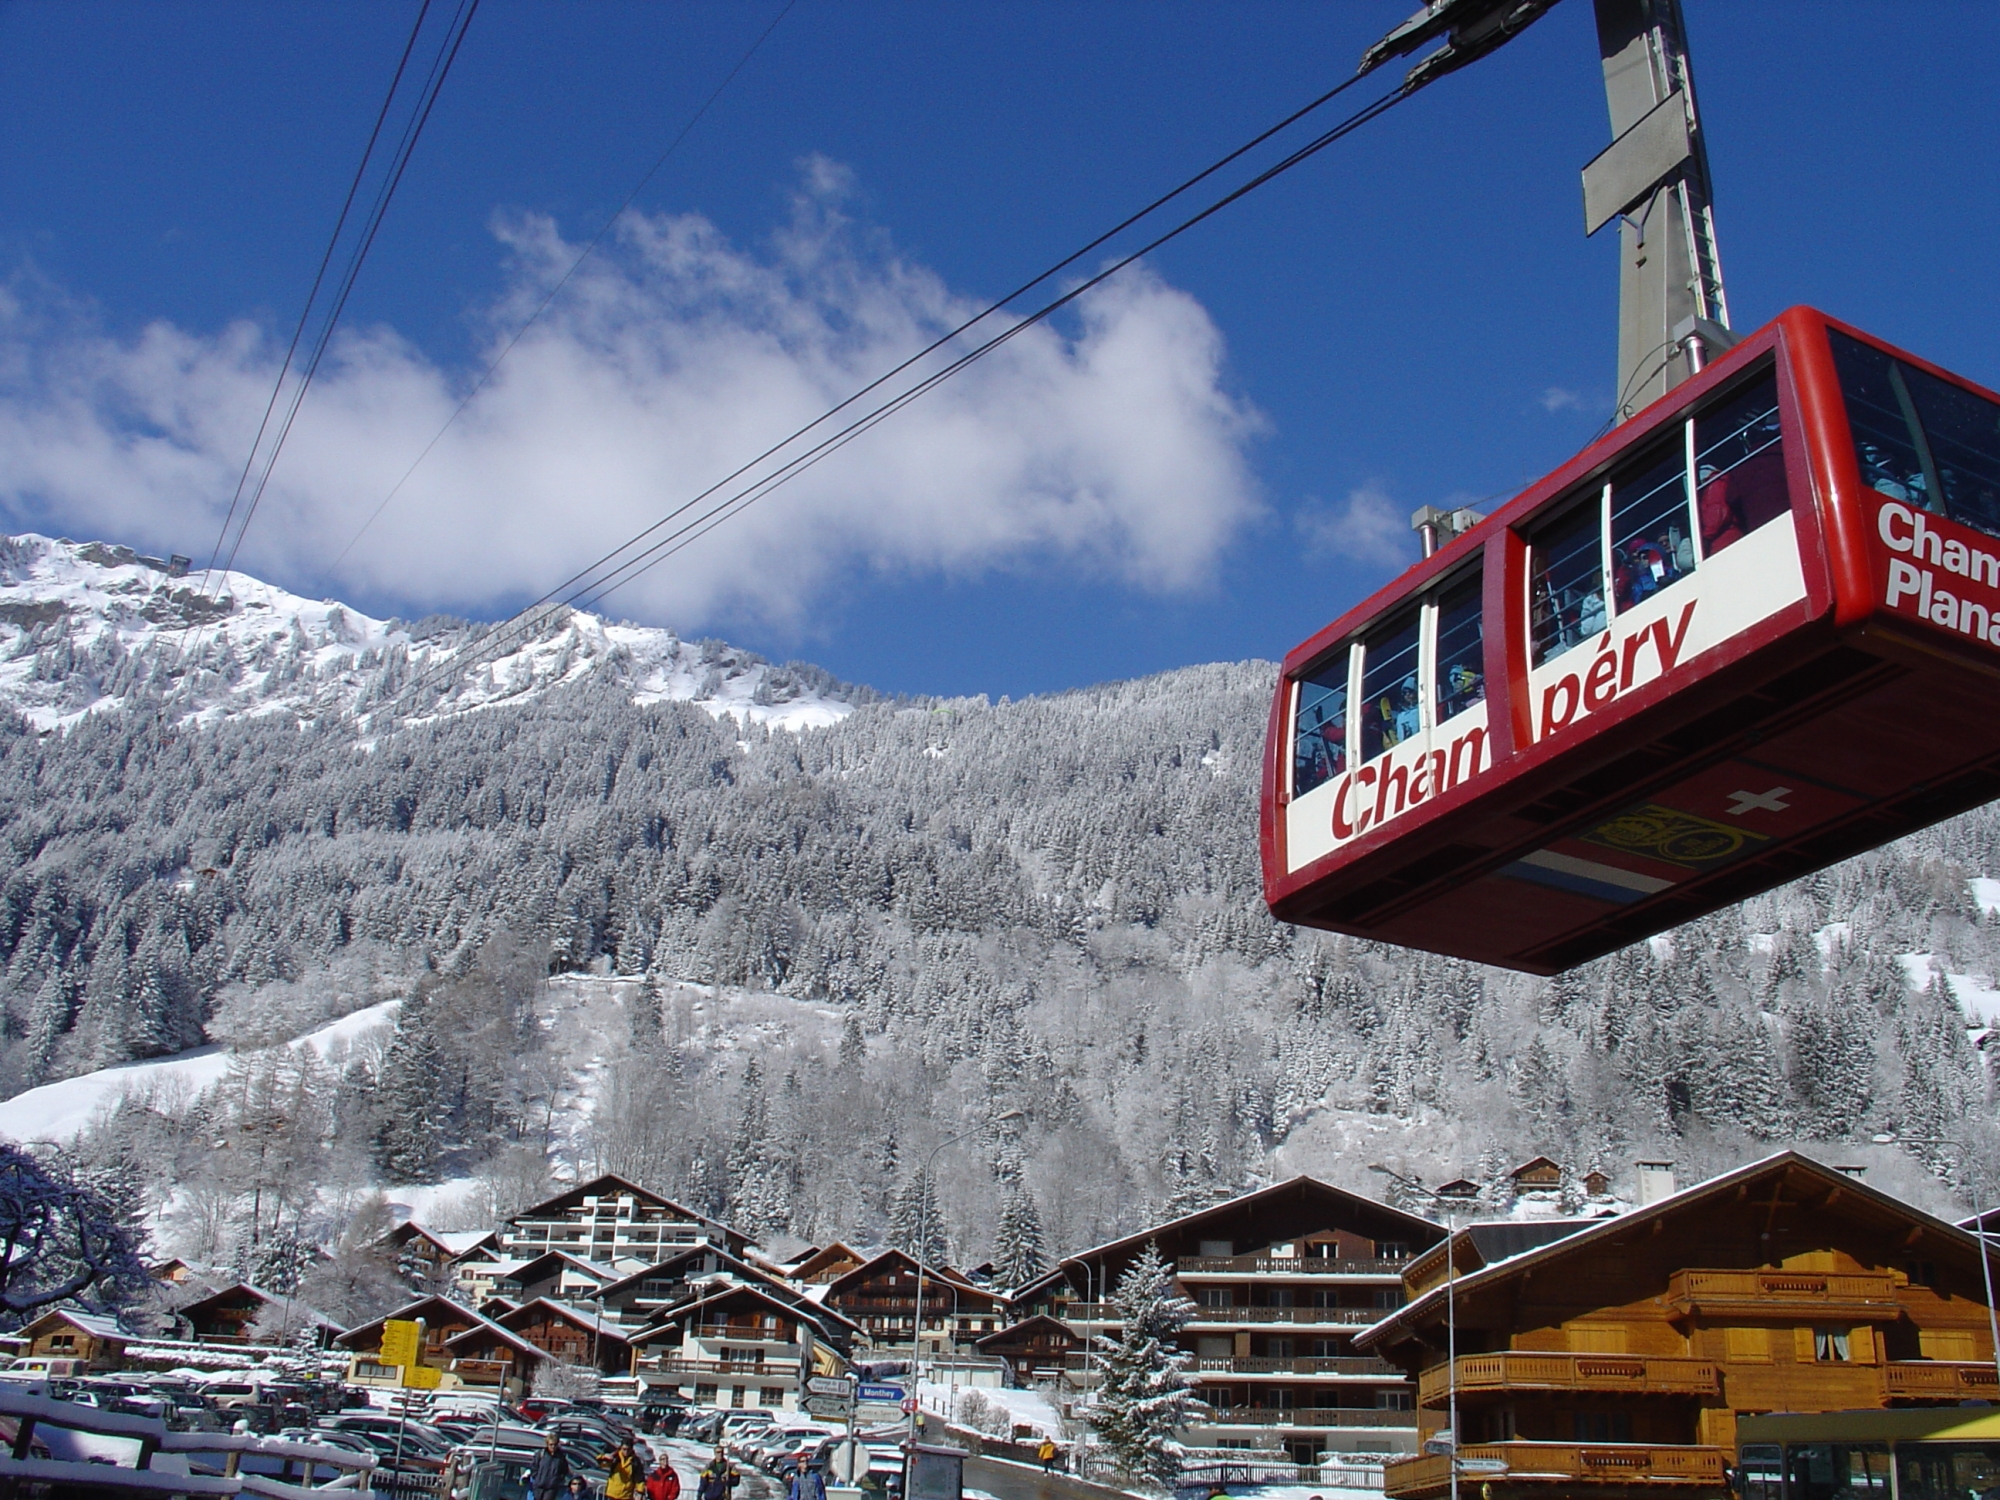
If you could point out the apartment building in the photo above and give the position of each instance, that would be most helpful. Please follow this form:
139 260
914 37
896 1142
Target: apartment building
1283 1280
614 1223
741 1346
880 1295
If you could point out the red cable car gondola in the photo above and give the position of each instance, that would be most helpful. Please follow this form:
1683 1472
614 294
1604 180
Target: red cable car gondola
1754 630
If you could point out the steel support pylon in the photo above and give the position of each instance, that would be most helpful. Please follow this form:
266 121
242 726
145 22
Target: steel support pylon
1672 315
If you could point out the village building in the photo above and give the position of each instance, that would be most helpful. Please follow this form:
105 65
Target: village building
741 1346
564 1277
65 1333
1283 1280
614 1223
880 1296
570 1335
829 1263
1037 1350
639 1300
235 1315
499 1356
1618 1354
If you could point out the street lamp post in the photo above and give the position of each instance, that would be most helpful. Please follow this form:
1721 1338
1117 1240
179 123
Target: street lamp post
1449 1203
923 1230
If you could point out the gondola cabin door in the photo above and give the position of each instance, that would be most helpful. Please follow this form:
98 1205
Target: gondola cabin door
1753 631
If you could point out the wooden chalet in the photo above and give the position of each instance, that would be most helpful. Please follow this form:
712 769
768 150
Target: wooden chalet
65 1333
1036 1349
880 1296
641 1299
226 1316
741 1345
1282 1280
570 1335
829 1263
554 1274
614 1222
499 1356
1615 1356
1538 1175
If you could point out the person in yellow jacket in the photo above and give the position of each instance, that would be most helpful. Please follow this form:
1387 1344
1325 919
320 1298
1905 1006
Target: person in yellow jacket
622 1483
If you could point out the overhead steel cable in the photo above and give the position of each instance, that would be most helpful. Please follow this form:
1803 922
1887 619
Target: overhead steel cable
587 587
420 116
886 376
312 294
554 291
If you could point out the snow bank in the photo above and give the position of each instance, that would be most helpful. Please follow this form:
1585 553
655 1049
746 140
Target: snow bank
1024 1408
59 1111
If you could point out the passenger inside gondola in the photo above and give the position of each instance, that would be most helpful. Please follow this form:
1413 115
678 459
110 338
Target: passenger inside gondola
1739 466
1319 748
1391 711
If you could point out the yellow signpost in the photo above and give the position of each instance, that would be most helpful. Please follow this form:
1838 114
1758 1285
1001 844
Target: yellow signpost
401 1342
421 1377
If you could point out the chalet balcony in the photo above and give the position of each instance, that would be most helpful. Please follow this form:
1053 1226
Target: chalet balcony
674 1364
1835 1296
1285 1266
1559 1466
1939 1380
1307 1417
1336 1366
1107 1315
1596 1374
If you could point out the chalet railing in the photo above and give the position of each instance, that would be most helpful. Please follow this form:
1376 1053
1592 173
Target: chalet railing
1311 1416
1351 1365
1294 1265
673 1364
1106 1314
1857 1295
1939 1379
1574 1463
1531 1370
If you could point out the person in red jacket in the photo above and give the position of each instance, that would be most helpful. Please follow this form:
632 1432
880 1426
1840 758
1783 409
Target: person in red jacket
663 1483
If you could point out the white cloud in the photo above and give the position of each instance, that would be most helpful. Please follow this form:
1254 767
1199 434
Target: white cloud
1561 398
1368 529
1108 446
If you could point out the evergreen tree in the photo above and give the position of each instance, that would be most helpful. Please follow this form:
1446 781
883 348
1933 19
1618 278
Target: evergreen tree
1019 1254
915 1225
1144 1395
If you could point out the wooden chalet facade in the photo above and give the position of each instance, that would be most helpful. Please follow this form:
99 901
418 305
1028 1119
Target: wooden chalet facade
880 1297
227 1316
741 1346
613 1222
493 1358
1036 1349
1615 1357
1282 1279
65 1333
570 1335
828 1263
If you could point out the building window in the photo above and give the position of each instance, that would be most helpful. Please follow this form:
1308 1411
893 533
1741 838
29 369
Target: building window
1830 1346
1395 1401
1213 1296
1603 1427
771 1395
1392 1250
704 1395
1388 1296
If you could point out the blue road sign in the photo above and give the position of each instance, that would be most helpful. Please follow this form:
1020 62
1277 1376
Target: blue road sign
881 1393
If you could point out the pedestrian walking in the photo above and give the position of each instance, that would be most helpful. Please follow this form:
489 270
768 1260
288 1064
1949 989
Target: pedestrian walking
718 1479
1047 1454
549 1473
663 1483
622 1482
806 1483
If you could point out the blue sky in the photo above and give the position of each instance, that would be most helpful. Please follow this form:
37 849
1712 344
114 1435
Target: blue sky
1412 317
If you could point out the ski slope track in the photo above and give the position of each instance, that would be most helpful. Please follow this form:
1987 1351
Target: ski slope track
89 627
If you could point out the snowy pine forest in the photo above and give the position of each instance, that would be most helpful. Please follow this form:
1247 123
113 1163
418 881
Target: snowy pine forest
964 908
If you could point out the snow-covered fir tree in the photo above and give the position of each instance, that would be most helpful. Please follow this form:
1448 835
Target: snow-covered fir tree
1144 1396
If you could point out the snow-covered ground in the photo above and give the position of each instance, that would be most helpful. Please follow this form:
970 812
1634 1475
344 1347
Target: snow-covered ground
1976 992
1026 1408
58 1111
266 651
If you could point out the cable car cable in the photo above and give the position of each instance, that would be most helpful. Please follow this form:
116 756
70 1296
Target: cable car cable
427 101
554 291
312 294
598 588
1293 118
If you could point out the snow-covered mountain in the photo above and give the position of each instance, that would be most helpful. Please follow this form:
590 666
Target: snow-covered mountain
87 627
